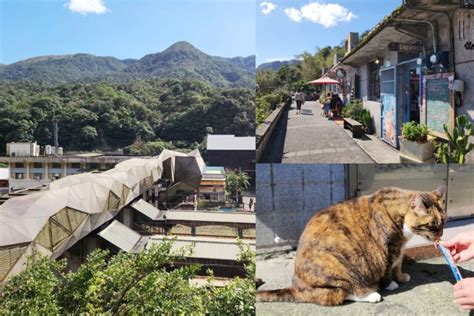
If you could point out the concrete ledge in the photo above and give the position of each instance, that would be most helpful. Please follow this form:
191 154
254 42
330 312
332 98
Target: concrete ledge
265 130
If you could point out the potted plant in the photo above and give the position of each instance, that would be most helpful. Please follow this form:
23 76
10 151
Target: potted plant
414 141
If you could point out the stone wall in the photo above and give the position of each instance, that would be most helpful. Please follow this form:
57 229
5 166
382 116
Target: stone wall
289 195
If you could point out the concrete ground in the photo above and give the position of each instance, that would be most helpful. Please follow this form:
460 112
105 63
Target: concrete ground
312 138
428 293
377 149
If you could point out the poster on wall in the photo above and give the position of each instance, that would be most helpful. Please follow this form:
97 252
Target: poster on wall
389 119
437 107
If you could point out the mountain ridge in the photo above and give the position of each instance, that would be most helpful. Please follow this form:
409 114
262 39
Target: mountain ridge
181 60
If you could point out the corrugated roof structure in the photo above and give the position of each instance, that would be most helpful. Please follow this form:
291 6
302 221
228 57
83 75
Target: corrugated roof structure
123 237
206 247
52 221
197 216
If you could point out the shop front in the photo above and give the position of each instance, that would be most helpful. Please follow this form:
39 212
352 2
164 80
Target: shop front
408 69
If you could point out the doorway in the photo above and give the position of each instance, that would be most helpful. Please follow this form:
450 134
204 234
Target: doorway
411 93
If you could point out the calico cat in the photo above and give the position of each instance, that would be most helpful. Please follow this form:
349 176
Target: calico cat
349 249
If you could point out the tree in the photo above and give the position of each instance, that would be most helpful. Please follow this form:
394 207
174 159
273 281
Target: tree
126 284
236 181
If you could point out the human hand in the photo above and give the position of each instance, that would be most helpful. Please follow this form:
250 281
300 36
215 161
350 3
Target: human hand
464 293
461 246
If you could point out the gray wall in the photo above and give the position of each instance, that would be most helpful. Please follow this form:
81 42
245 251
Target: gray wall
289 195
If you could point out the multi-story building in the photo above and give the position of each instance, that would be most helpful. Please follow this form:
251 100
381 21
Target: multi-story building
212 186
28 168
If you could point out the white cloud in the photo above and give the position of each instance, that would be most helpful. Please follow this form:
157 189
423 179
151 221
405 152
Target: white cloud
267 7
293 14
87 6
270 60
326 14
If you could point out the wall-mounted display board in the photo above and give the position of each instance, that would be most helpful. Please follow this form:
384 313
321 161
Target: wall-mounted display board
438 103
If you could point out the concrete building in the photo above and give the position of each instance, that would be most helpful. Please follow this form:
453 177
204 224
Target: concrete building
415 65
212 187
30 171
232 152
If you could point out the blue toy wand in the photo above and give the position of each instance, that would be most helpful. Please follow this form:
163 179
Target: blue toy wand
449 259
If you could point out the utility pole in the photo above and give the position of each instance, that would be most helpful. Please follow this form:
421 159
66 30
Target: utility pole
56 131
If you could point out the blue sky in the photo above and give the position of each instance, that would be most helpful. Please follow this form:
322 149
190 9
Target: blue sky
290 27
124 28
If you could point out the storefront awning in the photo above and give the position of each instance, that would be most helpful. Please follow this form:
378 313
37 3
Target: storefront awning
397 28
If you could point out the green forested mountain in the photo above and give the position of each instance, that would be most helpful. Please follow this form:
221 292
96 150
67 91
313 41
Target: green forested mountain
179 61
151 114
275 65
184 61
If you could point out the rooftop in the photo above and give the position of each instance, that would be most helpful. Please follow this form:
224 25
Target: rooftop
230 142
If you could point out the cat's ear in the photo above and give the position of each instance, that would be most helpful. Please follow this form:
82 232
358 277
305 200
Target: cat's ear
440 191
417 205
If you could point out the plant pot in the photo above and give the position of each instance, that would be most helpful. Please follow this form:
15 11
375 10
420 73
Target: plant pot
419 151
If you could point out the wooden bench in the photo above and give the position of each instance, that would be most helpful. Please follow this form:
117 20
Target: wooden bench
354 126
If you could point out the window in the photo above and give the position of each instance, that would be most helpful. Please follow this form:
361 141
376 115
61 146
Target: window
19 176
37 165
37 176
19 165
374 81
387 81
75 165
93 166
56 165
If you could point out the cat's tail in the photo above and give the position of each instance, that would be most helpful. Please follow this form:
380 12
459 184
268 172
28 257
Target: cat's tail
321 296
281 295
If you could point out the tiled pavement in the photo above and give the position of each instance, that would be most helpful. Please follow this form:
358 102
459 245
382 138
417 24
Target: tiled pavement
312 138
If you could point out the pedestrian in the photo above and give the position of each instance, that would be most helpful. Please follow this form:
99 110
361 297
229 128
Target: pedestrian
250 204
327 102
461 247
299 98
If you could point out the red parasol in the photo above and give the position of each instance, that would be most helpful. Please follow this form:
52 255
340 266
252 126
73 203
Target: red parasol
324 80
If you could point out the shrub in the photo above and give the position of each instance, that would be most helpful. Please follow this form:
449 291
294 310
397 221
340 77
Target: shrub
415 132
458 146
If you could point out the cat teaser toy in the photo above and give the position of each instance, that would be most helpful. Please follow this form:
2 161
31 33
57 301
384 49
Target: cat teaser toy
449 260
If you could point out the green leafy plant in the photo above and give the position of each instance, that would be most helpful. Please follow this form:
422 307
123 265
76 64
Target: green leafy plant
366 119
236 182
459 139
442 151
126 284
415 132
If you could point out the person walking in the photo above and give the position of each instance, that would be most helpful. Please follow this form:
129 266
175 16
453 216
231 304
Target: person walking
299 98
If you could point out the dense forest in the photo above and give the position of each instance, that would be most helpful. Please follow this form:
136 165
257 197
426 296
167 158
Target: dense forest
274 86
140 116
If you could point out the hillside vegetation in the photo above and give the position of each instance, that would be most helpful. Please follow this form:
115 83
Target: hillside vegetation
274 86
149 114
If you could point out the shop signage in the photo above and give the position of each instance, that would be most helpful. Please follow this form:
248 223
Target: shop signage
405 48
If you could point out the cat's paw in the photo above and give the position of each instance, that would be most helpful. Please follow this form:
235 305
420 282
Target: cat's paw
404 278
392 286
374 297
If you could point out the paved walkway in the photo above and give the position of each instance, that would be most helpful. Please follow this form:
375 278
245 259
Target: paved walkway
312 138
428 293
